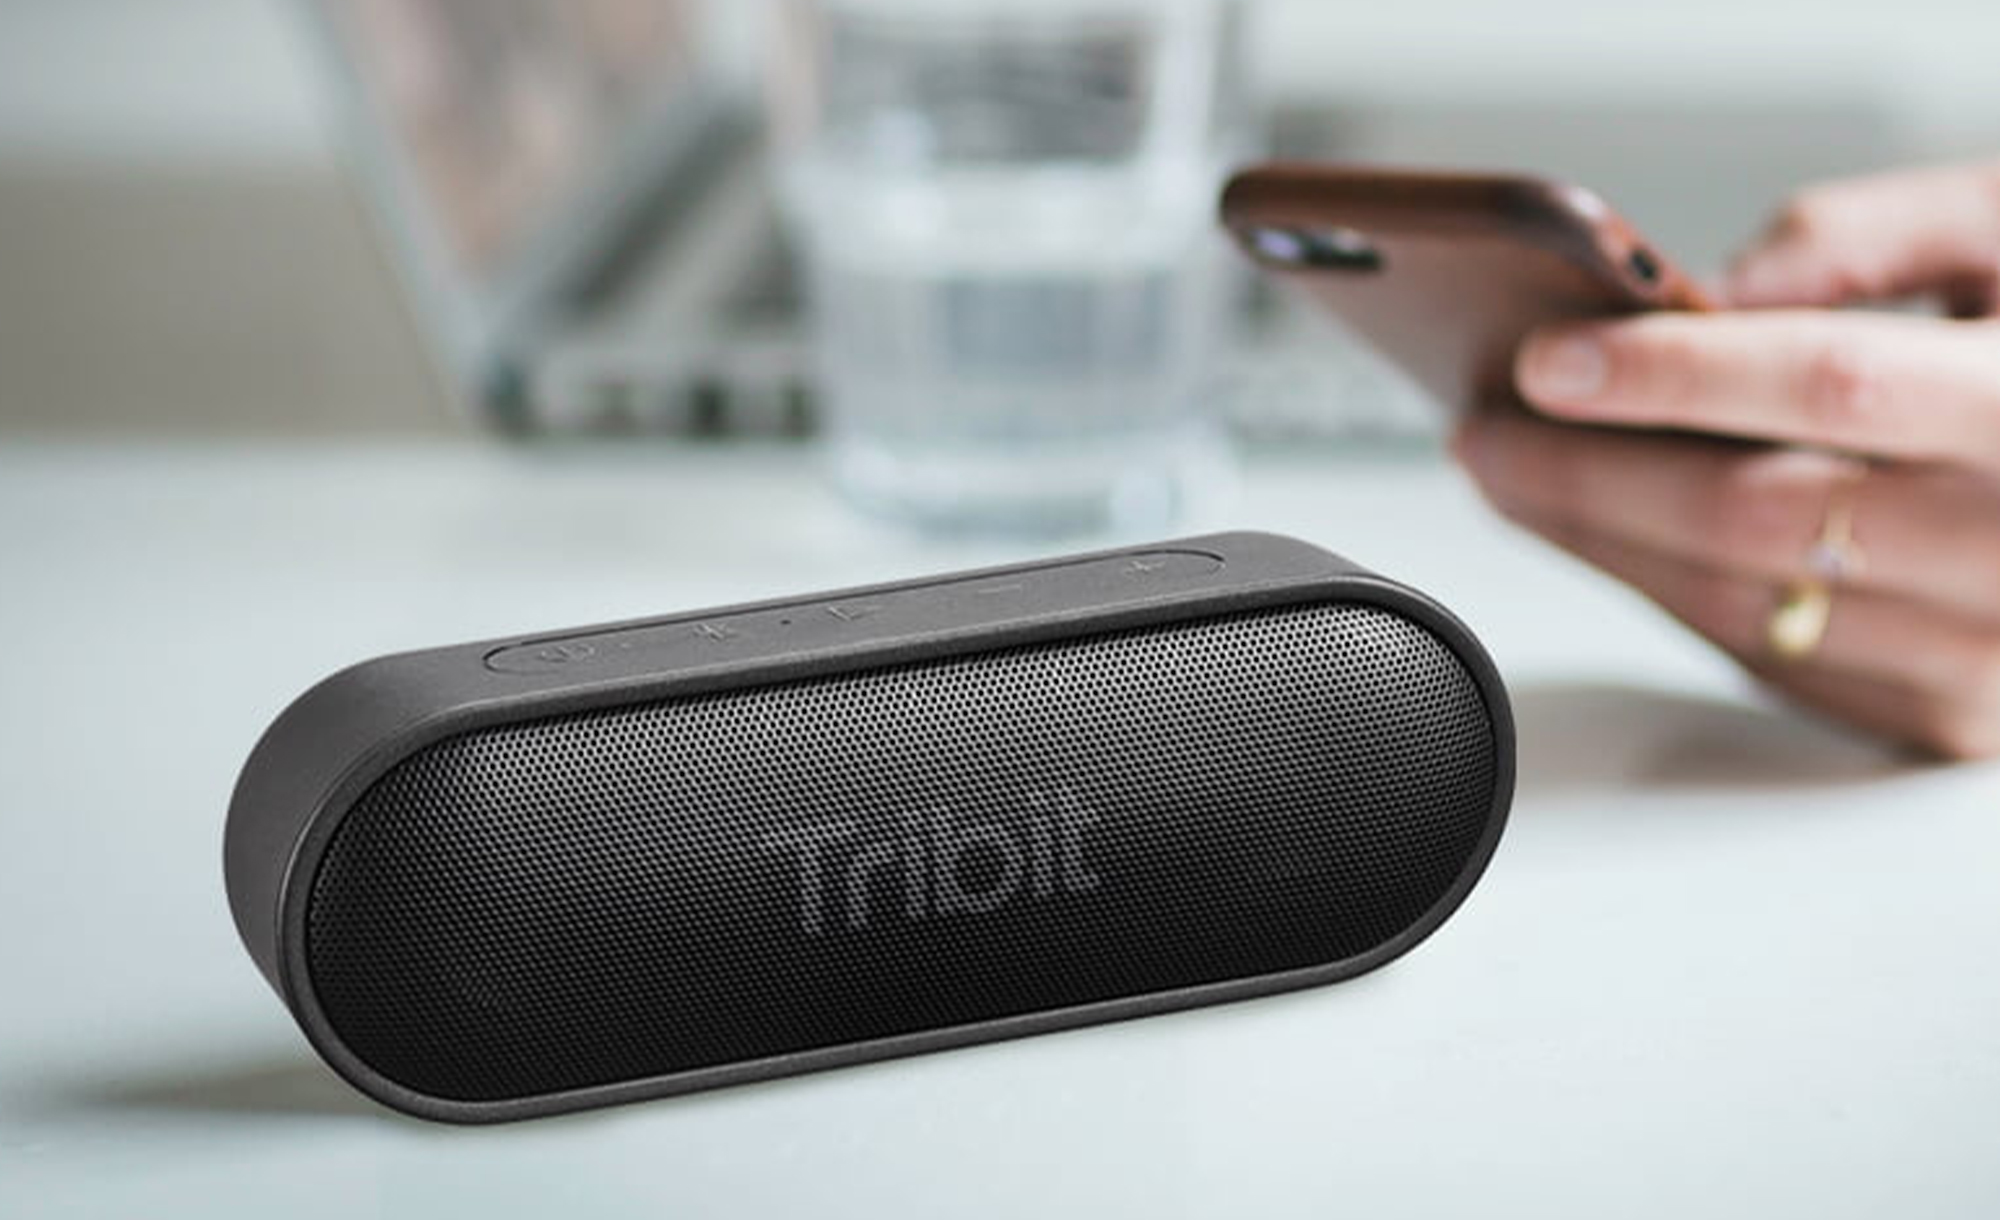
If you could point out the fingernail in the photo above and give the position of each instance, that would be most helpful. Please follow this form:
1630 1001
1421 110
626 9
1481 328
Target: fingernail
1747 278
1569 368
1753 283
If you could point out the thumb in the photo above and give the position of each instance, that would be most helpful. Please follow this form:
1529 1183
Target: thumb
1915 232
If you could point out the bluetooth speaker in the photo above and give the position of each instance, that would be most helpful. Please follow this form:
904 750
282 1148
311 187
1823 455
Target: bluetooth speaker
531 875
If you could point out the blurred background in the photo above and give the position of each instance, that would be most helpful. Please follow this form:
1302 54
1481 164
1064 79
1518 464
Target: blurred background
191 244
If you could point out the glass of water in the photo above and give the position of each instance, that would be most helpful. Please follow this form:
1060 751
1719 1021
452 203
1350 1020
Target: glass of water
1005 214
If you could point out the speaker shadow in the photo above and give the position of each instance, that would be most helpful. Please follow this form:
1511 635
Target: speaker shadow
273 1088
1576 736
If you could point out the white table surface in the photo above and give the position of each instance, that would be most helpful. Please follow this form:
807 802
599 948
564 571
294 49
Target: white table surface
1727 962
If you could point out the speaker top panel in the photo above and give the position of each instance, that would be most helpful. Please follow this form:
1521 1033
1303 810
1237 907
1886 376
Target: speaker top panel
961 604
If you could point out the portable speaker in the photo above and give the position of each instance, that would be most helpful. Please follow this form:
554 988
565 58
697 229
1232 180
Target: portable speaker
525 876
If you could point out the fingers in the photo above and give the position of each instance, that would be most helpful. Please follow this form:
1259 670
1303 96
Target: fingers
1924 534
1894 713
1880 237
1887 665
1876 384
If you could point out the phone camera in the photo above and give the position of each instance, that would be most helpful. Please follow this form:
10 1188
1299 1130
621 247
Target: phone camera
1317 249
1644 265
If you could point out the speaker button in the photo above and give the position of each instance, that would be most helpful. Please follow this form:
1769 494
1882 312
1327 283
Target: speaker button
1162 564
854 612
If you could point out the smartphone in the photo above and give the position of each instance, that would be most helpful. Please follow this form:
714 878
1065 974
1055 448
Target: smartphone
1445 273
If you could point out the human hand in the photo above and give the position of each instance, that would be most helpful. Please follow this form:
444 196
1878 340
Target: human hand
1701 457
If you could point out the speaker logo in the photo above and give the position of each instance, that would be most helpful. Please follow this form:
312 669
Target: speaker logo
937 863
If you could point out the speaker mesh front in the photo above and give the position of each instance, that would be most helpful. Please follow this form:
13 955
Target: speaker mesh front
620 894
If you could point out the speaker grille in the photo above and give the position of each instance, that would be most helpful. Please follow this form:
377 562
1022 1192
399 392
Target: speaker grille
621 894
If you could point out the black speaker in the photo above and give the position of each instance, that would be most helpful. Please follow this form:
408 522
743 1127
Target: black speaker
531 875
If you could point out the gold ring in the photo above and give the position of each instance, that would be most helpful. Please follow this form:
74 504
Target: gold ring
1798 622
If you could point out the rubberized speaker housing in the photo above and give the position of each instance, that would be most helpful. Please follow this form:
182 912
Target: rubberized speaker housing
525 876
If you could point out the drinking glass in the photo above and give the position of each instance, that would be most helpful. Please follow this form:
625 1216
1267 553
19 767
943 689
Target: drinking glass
1005 214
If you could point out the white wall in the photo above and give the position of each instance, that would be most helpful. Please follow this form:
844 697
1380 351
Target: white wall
231 78
143 79
1933 65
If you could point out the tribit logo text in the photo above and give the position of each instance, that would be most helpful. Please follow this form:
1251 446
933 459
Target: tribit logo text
938 863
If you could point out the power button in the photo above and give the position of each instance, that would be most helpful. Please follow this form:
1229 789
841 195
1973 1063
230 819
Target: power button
542 658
